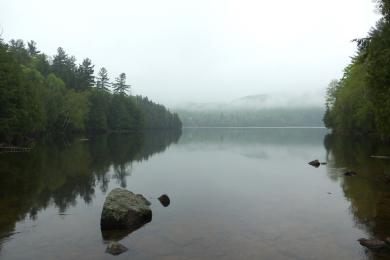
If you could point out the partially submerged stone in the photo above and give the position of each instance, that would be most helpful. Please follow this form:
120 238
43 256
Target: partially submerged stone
123 209
350 173
315 163
164 200
373 244
115 248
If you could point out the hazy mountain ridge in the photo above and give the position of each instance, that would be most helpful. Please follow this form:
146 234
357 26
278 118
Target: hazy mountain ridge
260 101
255 110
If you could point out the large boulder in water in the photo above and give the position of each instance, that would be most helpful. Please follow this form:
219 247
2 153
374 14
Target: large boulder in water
125 210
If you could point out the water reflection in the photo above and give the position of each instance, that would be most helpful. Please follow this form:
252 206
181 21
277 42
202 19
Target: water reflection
59 171
236 194
368 192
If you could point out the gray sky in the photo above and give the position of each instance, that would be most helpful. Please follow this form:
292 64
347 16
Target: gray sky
177 51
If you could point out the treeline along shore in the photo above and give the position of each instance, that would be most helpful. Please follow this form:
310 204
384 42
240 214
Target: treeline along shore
41 94
359 102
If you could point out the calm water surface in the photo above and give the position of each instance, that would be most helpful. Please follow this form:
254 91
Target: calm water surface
235 194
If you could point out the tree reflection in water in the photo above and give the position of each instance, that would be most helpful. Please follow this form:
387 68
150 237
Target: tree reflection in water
58 172
367 192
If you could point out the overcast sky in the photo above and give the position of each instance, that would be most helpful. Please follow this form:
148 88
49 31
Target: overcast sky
176 51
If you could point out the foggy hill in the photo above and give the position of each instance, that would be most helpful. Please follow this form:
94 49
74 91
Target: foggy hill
256 110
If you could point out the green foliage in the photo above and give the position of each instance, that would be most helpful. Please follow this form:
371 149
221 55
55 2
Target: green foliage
31 117
120 86
157 116
38 95
54 102
103 82
65 68
122 114
75 110
19 52
361 103
348 104
41 63
10 81
99 105
85 77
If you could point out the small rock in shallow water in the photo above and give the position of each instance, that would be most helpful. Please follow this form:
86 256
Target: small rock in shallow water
385 179
315 163
115 248
164 200
373 244
351 173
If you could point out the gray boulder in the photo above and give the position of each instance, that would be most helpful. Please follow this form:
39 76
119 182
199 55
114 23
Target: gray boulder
123 209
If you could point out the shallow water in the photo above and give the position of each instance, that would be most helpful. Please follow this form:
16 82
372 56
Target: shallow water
235 194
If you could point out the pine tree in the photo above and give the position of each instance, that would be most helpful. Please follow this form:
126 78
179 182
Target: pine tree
65 68
32 48
120 86
85 77
102 82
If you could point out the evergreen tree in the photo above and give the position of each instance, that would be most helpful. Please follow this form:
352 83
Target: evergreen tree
85 77
32 48
120 86
64 67
102 82
19 52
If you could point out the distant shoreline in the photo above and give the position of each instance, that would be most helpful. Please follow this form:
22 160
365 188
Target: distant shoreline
258 127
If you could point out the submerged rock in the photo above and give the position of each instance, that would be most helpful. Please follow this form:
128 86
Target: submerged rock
115 248
123 209
315 163
385 179
164 200
373 244
116 234
350 173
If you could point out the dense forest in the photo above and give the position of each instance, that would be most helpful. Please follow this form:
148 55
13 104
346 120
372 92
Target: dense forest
264 117
359 102
43 94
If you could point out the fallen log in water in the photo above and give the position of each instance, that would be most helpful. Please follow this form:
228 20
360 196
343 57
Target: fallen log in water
14 149
384 157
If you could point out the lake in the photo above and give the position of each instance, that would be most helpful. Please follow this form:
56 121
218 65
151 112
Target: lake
235 193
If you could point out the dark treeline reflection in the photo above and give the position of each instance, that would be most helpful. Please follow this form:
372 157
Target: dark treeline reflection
369 191
60 170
